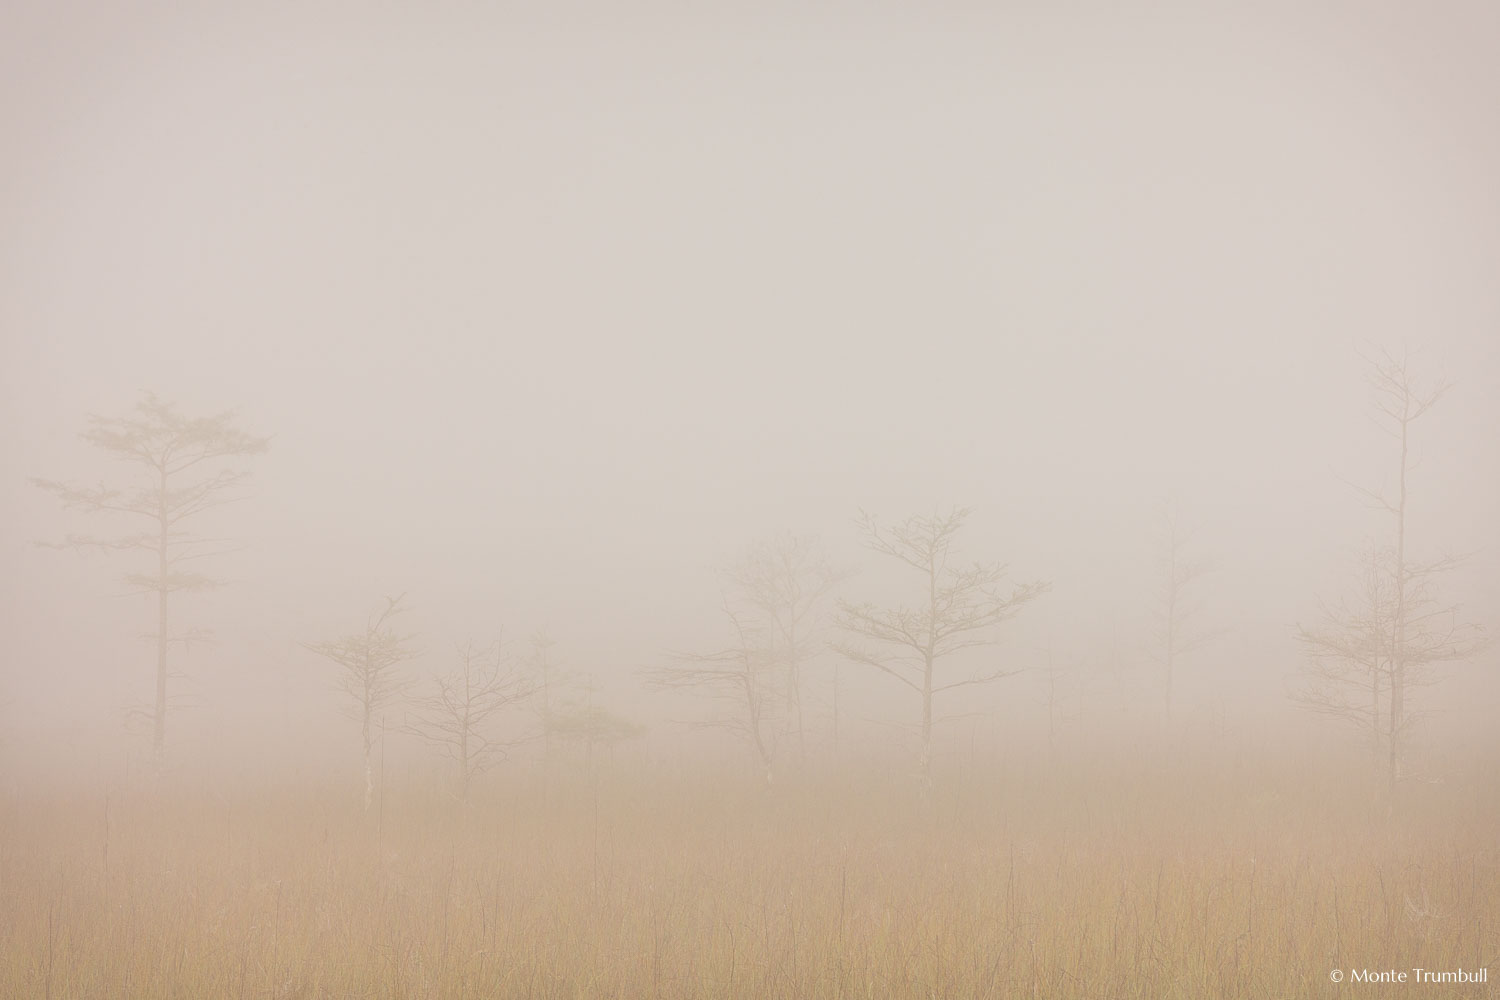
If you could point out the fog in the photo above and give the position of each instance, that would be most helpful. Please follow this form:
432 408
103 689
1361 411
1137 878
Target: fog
550 315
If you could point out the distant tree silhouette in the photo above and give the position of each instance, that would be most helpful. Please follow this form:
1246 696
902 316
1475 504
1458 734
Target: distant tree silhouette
742 676
1177 632
368 663
458 718
783 583
959 608
1399 630
182 464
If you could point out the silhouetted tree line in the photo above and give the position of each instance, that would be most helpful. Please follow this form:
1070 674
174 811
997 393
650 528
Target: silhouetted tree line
1364 656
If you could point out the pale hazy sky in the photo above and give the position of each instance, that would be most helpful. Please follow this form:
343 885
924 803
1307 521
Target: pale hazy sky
549 315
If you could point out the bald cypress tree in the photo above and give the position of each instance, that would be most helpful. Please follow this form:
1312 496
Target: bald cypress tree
179 468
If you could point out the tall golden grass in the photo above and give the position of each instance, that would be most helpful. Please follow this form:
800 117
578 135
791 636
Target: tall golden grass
1199 877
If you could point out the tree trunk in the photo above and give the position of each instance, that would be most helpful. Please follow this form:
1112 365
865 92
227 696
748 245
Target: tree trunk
159 720
753 703
369 768
463 759
794 689
1171 623
159 724
1398 646
546 714
930 655
369 780
926 760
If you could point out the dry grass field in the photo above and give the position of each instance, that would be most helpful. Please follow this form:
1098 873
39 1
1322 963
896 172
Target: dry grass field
1209 877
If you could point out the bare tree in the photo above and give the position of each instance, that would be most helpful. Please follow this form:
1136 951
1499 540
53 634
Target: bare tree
1177 633
368 663
739 675
784 582
181 461
594 726
1399 631
1347 653
959 610
458 718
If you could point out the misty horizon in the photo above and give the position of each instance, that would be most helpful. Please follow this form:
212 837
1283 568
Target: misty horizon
549 318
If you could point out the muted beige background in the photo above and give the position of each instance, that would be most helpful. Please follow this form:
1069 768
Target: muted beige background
551 314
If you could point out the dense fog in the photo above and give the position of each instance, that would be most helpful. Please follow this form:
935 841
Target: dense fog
549 316
749 500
